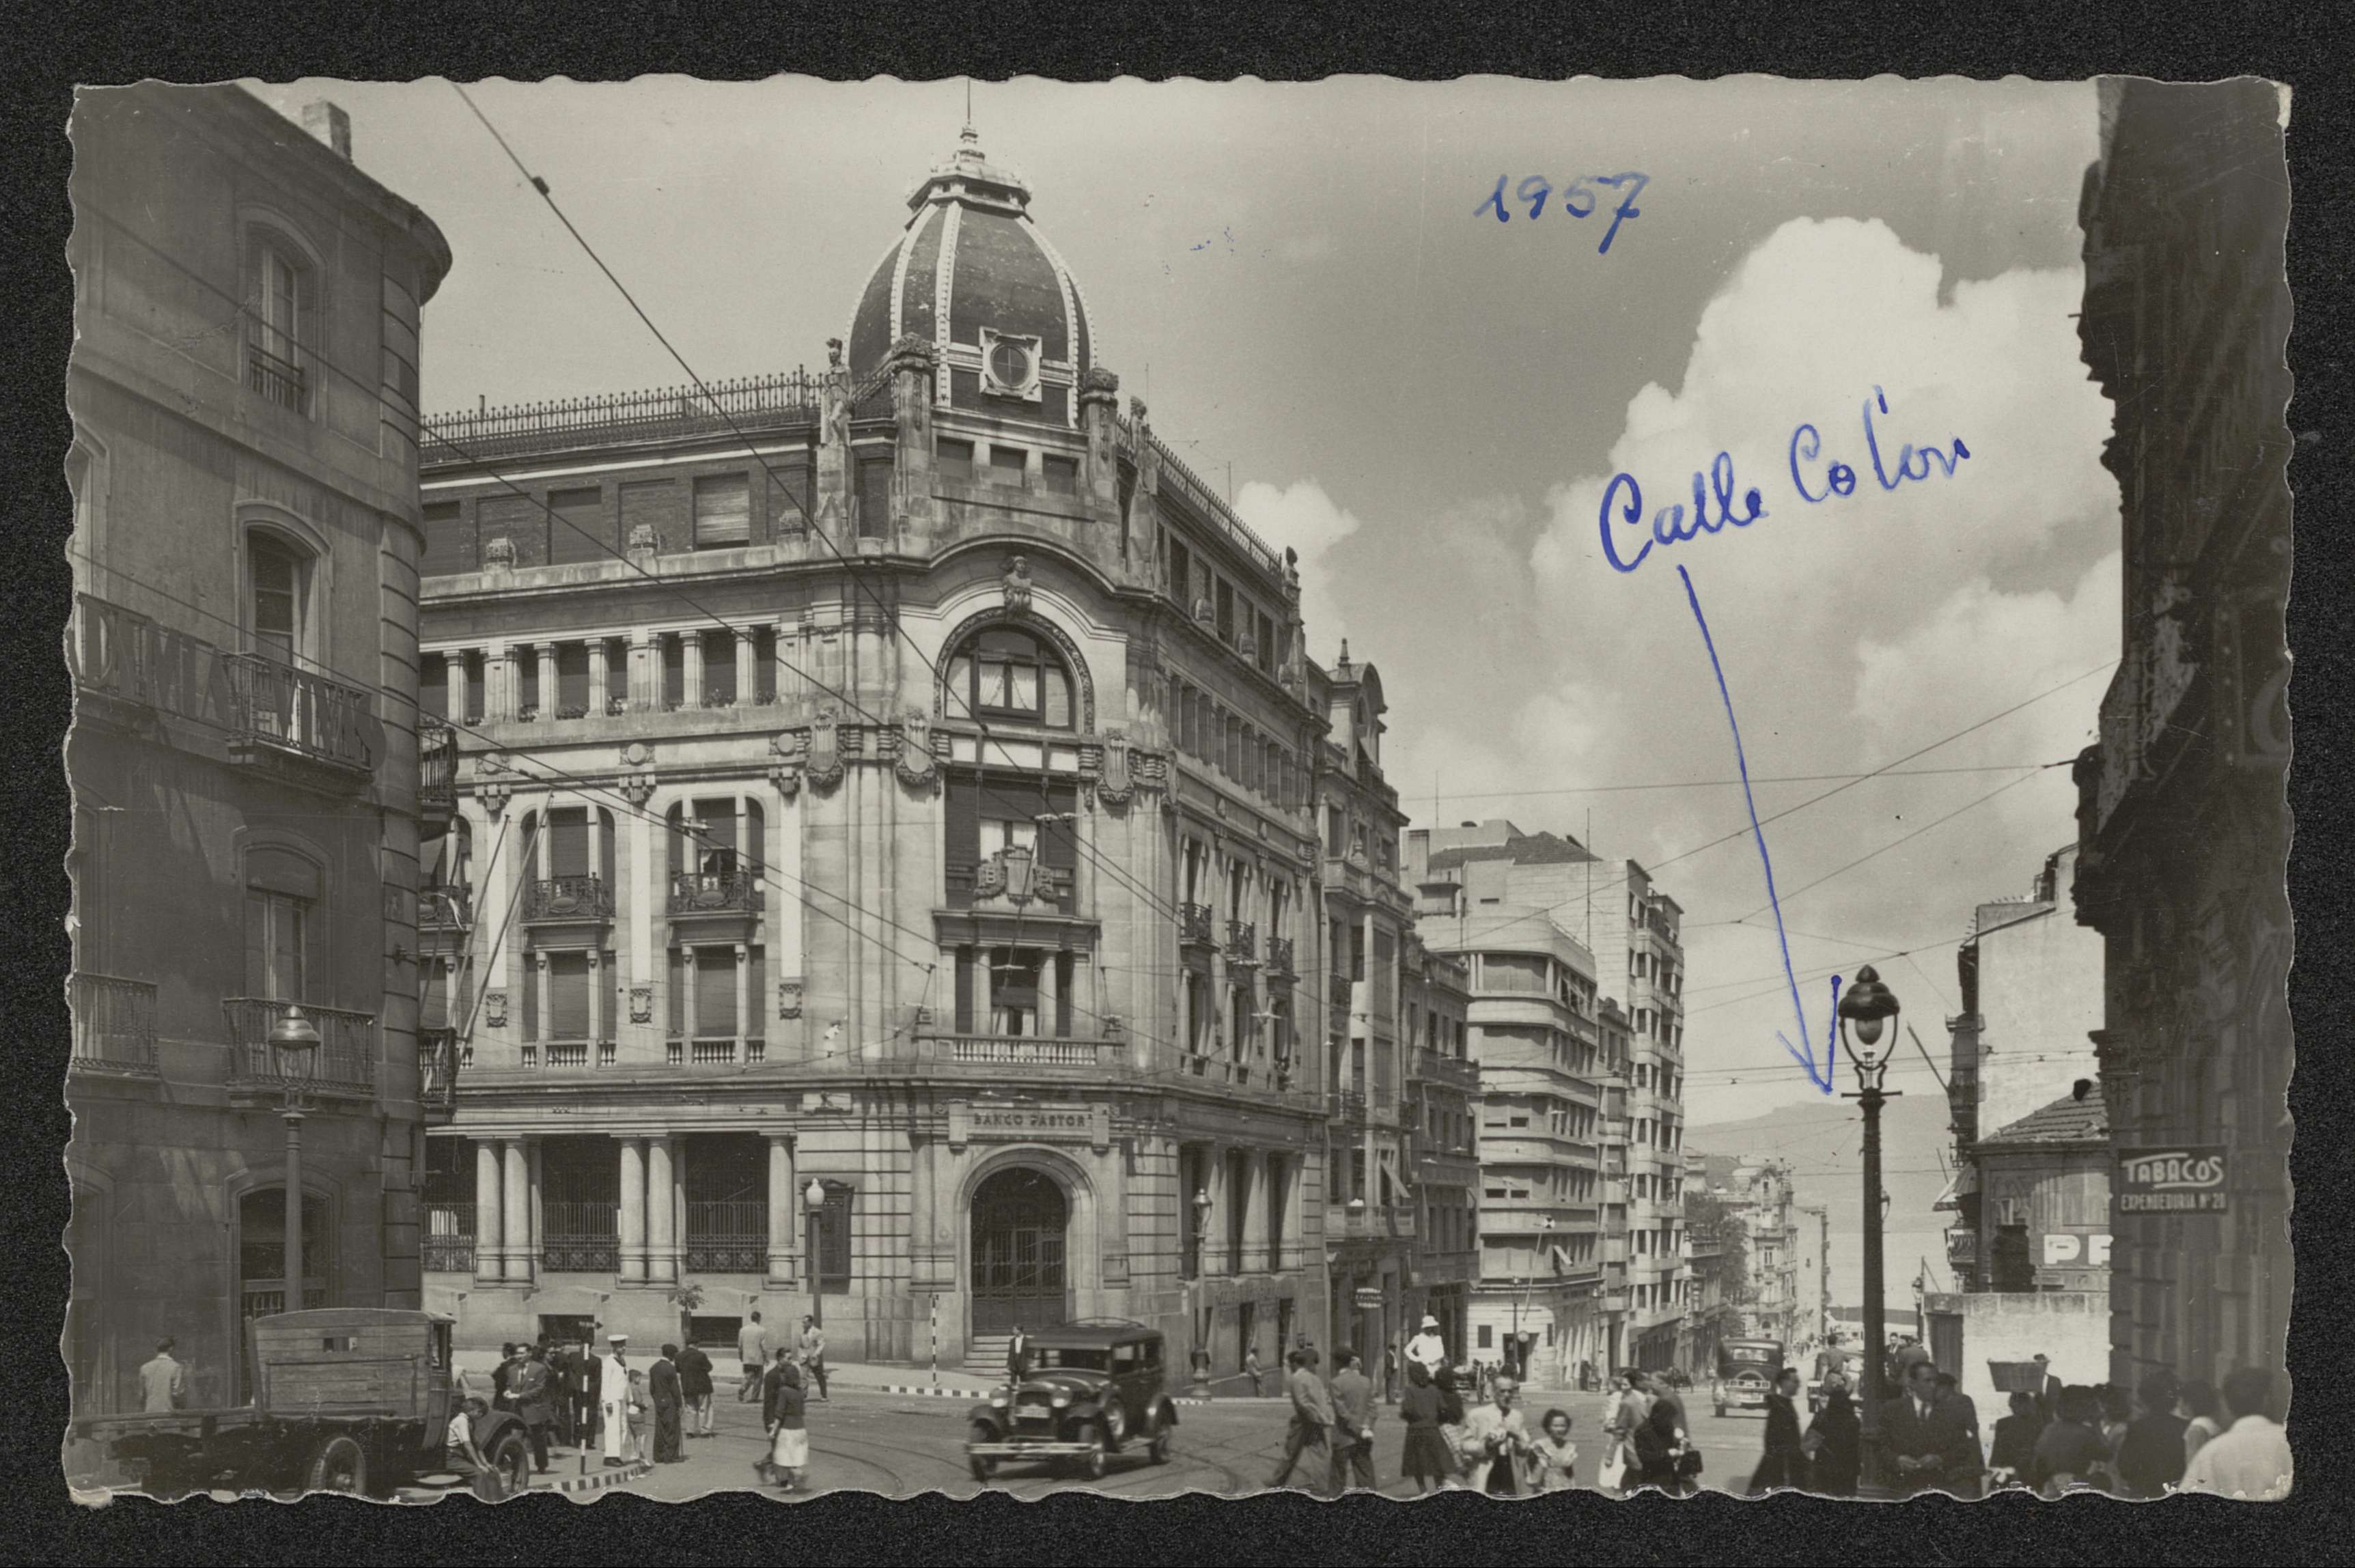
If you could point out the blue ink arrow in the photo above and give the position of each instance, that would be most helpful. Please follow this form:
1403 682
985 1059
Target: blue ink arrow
1803 1053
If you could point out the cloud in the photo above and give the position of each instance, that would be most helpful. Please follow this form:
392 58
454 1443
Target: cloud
1301 516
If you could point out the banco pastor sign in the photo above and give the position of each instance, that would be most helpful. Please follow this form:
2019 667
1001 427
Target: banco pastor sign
2177 1179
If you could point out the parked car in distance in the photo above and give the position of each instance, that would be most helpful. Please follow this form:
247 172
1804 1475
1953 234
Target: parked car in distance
1096 1388
1746 1370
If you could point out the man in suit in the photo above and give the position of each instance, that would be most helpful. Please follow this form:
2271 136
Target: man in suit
1784 1462
2151 1458
535 1401
1017 1357
1927 1442
1308 1443
163 1383
695 1382
1353 1423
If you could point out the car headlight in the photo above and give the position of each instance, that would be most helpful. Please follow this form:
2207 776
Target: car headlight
1061 1400
997 1401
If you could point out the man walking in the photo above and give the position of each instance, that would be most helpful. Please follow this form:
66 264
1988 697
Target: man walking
1785 1463
2150 1458
1251 1370
1353 1423
1308 1442
163 1382
813 1355
695 1382
669 1403
753 1351
2251 1460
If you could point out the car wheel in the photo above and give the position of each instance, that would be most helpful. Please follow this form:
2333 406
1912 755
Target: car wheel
339 1466
1092 1463
982 1465
512 1460
1158 1448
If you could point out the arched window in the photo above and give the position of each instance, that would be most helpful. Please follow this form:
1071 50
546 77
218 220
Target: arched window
282 308
1004 673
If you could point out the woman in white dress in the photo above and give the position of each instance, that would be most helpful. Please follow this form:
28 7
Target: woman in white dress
784 1403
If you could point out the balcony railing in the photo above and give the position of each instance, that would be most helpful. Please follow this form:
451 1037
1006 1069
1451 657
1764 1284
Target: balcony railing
715 1050
1962 1246
1196 927
444 906
437 769
1243 942
113 1026
280 381
449 1239
437 1069
275 707
1453 1071
1347 1106
342 1063
1279 958
568 898
1026 1050
714 892
1370 1223
663 413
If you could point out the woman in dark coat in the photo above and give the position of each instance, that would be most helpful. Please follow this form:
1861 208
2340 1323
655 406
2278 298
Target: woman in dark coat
1835 1443
1660 1451
1783 1462
661 1384
1427 1459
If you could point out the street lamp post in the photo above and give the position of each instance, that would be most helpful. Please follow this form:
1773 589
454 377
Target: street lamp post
1868 1016
295 1044
1199 1357
1529 1282
814 1206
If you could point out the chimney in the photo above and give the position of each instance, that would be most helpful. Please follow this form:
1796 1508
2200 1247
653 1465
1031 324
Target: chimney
329 122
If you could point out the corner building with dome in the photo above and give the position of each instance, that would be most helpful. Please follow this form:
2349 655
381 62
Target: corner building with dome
884 877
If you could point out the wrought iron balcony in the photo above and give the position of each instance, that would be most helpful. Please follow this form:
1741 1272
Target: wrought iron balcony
568 898
437 769
280 381
113 1026
1196 926
1242 942
342 1063
1347 1106
1453 1072
1279 958
772 401
437 1069
715 892
276 708
444 906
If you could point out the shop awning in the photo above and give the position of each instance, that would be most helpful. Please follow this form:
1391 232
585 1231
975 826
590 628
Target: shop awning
1964 1183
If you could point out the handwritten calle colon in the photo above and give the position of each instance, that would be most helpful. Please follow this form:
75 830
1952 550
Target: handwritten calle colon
1817 478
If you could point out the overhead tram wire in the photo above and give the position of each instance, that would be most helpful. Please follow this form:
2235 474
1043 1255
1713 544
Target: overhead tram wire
1893 844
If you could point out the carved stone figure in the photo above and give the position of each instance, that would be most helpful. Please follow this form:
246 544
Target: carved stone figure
498 553
1016 583
824 753
642 1004
786 753
916 766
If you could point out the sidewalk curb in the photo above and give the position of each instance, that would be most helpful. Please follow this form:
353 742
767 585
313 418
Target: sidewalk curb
598 1480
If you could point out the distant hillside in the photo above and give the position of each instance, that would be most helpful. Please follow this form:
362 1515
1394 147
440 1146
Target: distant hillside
1823 1143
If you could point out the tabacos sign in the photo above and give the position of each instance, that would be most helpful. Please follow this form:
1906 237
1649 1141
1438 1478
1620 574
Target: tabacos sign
2183 1179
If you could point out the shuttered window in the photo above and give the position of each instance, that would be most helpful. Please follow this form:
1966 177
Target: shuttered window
678 989
579 531
715 992
273 946
568 995
723 512
449 541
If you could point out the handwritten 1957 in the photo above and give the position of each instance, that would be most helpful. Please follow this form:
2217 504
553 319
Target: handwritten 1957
1577 200
1815 480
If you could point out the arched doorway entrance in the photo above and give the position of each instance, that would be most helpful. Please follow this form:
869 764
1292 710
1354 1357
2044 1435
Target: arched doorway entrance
1021 1219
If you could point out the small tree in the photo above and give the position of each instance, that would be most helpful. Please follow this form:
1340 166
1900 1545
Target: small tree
687 1295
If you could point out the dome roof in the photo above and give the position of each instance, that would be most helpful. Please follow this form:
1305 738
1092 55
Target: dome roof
972 273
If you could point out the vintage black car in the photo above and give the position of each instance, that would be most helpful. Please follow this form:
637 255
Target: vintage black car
1096 1388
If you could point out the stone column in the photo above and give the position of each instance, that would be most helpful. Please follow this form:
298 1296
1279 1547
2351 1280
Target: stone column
600 676
644 966
543 667
642 672
690 659
490 1261
783 647
748 675
662 1213
784 1210
453 682
744 996
634 1211
1048 991
518 1207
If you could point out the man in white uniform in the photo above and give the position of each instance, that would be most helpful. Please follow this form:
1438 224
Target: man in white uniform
613 1398
1427 1348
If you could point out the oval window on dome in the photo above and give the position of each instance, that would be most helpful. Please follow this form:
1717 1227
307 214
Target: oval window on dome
1010 365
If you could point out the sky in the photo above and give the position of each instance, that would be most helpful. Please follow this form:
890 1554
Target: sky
1310 288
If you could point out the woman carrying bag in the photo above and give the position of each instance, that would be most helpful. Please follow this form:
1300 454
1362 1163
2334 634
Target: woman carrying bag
1663 1457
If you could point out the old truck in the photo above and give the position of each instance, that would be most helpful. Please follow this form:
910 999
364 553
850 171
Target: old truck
346 1399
